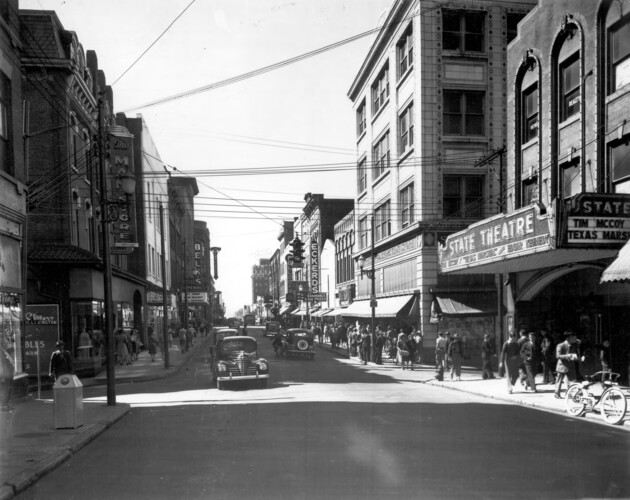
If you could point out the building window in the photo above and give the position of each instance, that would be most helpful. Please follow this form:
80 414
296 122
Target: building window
620 54
512 25
571 181
361 121
463 31
380 90
382 221
464 112
405 130
362 176
380 154
404 52
530 113
619 159
363 232
569 88
407 205
530 191
6 163
463 196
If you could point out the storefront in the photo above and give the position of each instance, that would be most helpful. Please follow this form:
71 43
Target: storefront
548 267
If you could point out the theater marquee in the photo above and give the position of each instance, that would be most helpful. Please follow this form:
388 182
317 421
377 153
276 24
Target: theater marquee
499 238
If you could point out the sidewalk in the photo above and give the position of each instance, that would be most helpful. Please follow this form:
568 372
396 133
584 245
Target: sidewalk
473 383
30 446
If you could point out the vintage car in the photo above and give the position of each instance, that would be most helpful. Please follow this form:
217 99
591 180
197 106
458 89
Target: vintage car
237 359
271 328
300 343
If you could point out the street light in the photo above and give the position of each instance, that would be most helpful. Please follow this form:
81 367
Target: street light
371 274
110 212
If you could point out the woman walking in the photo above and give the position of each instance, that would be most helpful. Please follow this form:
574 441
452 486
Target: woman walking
402 352
153 345
510 360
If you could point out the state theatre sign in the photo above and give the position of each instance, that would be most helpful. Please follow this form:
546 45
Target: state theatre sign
598 220
503 237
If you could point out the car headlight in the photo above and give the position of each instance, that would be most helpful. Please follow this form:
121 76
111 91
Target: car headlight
221 367
262 366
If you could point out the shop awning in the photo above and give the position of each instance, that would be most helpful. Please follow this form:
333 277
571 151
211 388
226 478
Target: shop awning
619 270
320 313
299 312
335 312
468 304
388 307
285 309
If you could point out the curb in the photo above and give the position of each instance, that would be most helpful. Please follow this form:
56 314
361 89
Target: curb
54 459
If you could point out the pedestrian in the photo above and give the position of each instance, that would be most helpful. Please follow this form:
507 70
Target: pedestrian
447 358
189 338
380 343
402 352
412 347
510 360
317 332
135 344
153 345
528 355
170 336
604 358
7 372
455 352
182 339
60 361
548 353
440 352
522 339
366 346
487 352
567 356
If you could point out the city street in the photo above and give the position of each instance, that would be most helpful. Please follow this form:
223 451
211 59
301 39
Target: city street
332 428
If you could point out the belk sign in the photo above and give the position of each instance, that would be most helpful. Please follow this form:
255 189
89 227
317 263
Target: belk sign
505 236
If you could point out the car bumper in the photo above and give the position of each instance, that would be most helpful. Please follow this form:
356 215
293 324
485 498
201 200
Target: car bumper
258 376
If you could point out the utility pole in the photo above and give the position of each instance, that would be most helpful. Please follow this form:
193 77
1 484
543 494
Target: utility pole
110 366
164 301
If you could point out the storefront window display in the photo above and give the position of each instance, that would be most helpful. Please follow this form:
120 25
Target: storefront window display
11 327
87 331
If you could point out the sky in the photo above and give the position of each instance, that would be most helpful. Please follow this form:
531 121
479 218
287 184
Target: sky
295 120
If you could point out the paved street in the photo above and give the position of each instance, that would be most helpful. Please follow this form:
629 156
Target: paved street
333 428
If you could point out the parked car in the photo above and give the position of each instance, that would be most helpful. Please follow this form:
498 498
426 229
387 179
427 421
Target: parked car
300 343
271 328
237 359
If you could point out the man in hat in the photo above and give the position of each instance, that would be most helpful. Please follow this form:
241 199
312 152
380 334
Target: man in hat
566 353
60 362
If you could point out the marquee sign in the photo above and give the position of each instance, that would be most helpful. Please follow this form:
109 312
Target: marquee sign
598 220
505 236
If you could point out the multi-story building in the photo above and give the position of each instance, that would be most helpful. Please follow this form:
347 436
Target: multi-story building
344 263
151 204
12 200
66 92
286 298
568 181
181 193
202 287
260 281
314 226
430 102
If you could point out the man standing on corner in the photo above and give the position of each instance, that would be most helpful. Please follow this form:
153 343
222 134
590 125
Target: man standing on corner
60 362
566 352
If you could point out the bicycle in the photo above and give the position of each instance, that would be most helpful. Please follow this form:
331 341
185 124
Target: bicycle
583 397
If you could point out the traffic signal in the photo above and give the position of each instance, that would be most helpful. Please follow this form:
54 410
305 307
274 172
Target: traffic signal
297 250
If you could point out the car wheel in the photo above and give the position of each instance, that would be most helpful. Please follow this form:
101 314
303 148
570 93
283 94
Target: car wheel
302 345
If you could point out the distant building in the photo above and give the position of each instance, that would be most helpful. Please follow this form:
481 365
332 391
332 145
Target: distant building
260 280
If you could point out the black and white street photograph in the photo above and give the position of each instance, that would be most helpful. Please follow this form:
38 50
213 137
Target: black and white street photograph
314 249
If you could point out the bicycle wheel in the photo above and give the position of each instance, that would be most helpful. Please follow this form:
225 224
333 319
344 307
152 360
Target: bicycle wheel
573 400
613 405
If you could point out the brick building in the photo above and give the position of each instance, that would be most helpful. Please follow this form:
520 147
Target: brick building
430 101
568 179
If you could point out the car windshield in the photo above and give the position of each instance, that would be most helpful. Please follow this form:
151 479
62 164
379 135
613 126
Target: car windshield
234 345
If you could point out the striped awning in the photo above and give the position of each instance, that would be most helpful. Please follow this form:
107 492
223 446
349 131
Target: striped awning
619 270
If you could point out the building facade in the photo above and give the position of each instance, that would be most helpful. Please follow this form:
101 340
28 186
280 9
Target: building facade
430 104
568 190
260 281
62 85
13 197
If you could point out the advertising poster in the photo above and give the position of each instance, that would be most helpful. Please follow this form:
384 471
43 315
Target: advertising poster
41 330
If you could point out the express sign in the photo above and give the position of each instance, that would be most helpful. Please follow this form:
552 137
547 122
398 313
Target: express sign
502 237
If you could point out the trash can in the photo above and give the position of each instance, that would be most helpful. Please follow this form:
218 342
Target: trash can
68 395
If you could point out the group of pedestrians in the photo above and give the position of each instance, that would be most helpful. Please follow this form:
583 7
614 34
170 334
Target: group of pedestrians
186 337
449 354
128 345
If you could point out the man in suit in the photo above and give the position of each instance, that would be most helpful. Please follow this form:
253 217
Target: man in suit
566 353
60 362
528 356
